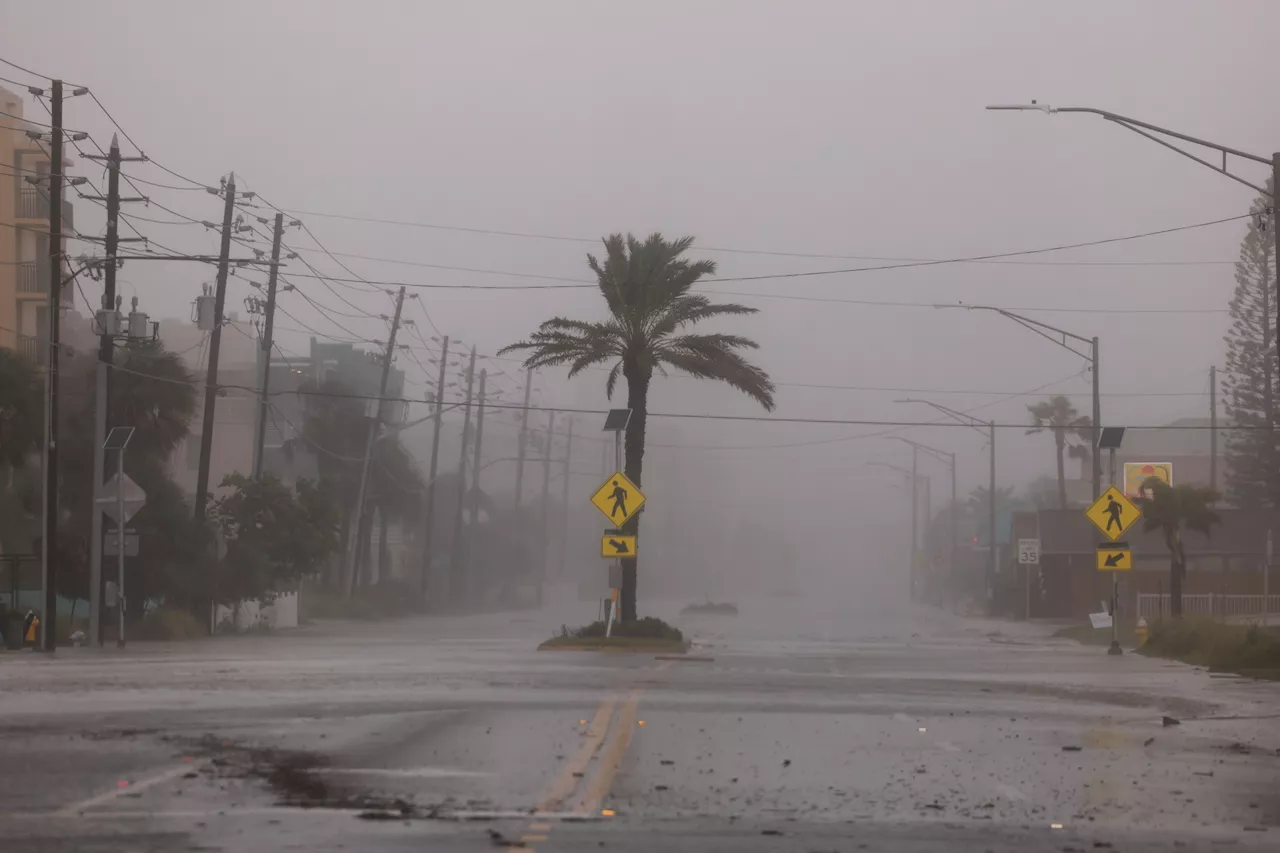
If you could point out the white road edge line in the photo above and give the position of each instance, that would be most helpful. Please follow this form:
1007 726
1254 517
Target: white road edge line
108 796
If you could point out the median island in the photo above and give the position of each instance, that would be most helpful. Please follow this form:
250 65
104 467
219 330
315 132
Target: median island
643 635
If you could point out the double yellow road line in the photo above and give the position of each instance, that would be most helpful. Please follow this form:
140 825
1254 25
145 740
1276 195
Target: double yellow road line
607 736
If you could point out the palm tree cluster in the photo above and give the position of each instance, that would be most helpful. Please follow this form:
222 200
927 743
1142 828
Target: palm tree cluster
1072 435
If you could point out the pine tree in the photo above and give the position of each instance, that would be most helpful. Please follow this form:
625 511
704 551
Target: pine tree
1248 381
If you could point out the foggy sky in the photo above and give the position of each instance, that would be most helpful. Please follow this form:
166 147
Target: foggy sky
843 128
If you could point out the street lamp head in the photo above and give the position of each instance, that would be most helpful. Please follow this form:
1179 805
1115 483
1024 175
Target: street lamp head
1033 106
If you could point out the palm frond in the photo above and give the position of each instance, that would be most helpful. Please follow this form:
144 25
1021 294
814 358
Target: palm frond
714 357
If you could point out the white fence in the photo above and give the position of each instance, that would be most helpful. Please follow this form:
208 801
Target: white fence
1153 605
280 612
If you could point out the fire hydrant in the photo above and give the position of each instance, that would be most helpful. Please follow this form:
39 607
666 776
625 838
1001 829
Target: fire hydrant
1140 631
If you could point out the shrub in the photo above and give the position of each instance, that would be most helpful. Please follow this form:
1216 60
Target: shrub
1214 644
649 628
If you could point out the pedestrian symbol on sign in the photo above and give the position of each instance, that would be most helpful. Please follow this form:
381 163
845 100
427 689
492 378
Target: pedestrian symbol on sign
1114 511
619 498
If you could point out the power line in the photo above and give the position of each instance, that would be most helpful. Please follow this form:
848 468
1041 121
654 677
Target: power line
909 261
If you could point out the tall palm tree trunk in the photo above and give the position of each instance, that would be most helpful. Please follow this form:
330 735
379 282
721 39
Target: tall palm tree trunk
638 402
1060 441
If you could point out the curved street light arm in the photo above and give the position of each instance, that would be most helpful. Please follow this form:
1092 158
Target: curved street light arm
1134 125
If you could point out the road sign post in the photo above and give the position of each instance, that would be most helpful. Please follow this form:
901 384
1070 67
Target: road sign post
118 440
618 499
1113 513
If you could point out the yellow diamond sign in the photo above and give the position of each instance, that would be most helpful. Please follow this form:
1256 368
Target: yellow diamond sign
1113 513
619 499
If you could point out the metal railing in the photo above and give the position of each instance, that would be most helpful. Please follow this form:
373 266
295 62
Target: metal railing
1214 605
32 349
33 277
32 204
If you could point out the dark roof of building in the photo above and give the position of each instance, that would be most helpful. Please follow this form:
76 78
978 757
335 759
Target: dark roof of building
1240 532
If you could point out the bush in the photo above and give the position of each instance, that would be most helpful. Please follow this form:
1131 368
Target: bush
1214 644
649 628
170 623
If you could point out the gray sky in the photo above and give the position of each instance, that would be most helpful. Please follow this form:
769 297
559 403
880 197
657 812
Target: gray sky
844 128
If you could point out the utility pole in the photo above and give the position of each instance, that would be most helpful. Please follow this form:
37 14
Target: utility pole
951 549
475 480
564 496
455 549
915 526
375 425
267 327
102 375
215 347
49 575
1097 425
546 492
429 515
993 558
1213 426
524 433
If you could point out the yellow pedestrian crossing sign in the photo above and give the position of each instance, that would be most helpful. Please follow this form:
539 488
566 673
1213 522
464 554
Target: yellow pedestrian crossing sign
619 499
617 545
1113 513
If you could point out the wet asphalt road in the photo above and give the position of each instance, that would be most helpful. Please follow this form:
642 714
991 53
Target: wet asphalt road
814 726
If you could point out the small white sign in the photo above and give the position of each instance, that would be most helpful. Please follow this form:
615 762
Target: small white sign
1029 552
108 501
1100 620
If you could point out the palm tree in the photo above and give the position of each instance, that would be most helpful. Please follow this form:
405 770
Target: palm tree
646 286
1170 509
1058 416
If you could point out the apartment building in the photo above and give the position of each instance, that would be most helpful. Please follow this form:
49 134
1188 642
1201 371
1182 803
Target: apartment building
24 231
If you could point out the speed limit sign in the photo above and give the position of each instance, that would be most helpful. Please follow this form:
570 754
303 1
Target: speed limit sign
1029 552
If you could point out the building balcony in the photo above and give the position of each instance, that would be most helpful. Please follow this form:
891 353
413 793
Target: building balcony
33 204
33 277
33 349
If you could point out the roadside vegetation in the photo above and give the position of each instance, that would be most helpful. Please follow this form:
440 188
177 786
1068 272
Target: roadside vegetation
648 634
1244 649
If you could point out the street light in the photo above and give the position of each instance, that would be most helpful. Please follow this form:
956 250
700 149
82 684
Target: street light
978 425
949 459
1061 338
909 473
1146 130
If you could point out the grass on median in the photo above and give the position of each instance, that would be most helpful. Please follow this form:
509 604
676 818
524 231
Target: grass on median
1245 649
647 634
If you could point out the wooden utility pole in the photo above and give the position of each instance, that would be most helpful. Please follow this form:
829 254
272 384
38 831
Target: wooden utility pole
428 530
215 347
1213 427
474 502
268 325
564 496
375 425
544 539
524 435
49 575
102 376
455 545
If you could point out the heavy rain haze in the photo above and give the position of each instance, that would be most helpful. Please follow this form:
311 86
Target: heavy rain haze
921 272
837 135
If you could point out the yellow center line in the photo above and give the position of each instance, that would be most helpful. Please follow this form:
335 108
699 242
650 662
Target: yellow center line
565 783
